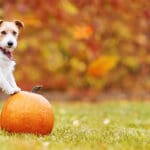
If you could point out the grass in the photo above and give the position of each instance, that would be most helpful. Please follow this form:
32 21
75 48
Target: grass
85 126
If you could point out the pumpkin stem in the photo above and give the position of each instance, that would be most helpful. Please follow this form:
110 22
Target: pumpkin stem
36 88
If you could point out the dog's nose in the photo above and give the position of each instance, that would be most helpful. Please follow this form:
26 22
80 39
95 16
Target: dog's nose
10 43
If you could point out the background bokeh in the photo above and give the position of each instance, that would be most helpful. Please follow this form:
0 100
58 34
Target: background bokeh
98 45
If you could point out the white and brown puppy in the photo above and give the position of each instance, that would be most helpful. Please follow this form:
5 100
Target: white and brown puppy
9 32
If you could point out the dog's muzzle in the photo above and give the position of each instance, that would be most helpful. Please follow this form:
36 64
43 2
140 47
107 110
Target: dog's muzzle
9 54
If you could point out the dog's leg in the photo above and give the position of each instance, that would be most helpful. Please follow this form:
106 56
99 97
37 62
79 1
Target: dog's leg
12 82
6 87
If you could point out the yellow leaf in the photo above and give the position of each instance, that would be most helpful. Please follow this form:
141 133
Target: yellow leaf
102 66
67 6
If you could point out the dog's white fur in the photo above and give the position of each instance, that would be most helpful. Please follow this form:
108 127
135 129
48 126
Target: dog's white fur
7 81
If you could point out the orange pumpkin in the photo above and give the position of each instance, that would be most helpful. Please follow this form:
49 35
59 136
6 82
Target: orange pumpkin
27 112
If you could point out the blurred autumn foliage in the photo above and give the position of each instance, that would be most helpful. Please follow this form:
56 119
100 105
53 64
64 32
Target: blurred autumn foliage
93 44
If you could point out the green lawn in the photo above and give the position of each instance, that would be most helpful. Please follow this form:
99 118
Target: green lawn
110 126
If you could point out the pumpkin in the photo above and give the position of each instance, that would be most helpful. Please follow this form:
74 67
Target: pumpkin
27 112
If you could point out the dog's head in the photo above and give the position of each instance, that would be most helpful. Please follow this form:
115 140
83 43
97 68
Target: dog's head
9 32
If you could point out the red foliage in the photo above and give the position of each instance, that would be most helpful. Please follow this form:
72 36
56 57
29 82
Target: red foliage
59 31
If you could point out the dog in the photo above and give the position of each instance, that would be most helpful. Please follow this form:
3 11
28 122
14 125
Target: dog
9 32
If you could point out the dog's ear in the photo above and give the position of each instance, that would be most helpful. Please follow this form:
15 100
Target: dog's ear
19 24
1 21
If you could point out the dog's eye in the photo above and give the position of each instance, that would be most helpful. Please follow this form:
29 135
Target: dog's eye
3 32
14 33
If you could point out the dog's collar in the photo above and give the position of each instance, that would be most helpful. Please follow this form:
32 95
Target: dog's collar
7 53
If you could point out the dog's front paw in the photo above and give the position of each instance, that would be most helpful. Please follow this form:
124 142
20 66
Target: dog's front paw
10 91
13 91
17 89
